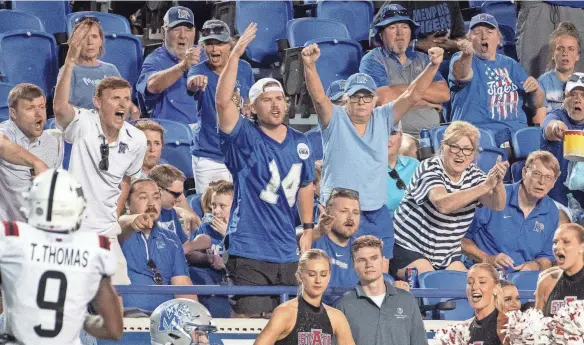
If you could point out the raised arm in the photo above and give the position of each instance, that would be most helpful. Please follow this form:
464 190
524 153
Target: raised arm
15 154
462 68
322 105
64 112
162 80
109 323
415 92
227 111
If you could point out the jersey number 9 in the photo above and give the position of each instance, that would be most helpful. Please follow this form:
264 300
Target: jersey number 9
57 306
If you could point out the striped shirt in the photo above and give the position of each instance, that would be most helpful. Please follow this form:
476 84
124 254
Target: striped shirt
418 224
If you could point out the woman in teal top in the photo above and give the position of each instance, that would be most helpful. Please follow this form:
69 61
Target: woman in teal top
400 169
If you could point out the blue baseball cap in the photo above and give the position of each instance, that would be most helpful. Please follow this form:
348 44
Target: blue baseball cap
336 90
483 18
179 15
389 14
358 82
215 29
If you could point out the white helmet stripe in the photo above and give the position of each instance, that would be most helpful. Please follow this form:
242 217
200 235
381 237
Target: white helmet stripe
51 195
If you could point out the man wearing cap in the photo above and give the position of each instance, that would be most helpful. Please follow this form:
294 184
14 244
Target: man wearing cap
489 89
360 130
569 117
394 65
273 173
162 83
208 161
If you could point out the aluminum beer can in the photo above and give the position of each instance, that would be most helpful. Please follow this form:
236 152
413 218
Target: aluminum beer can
412 277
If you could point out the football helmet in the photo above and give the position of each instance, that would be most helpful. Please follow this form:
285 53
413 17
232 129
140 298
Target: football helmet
174 322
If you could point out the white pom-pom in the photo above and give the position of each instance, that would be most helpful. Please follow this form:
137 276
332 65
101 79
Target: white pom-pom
568 324
455 334
528 328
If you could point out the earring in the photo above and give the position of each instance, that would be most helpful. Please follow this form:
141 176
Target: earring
495 294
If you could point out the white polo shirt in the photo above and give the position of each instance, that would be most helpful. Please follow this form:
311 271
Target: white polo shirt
102 188
17 179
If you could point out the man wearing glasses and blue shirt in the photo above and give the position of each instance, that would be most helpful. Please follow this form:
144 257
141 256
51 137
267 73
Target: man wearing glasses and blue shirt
155 256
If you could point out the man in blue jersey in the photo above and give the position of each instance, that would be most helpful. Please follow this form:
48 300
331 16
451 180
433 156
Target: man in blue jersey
360 130
273 170
208 162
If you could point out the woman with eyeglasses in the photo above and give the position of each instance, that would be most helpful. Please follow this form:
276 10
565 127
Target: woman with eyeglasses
440 202
399 168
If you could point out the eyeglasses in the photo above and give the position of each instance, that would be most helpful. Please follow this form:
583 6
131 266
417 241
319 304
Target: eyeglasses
576 78
357 99
538 175
88 18
401 185
175 195
154 269
215 30
104 150
389 13
456 149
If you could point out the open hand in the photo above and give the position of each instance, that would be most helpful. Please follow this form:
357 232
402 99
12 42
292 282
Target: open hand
248 35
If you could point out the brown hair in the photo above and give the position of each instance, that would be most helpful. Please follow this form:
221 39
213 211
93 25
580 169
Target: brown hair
91 22
311 254
547 159
459 129
225 187
564 28
134 185
165 174
364 242
24 91
341 193
111 83
149 125
206 196
504 283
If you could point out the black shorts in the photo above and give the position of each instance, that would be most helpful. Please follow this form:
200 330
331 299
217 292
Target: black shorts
244 271
403 257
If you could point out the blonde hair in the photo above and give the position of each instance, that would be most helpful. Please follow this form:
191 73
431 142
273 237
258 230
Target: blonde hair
546 158
206 197
498 293
574 227
459 129
149 125
165 174
311 254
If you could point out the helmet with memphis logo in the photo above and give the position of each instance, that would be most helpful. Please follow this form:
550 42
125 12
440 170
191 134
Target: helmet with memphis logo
180 321
55 202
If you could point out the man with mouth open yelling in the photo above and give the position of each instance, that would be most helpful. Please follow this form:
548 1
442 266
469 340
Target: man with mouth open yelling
489 88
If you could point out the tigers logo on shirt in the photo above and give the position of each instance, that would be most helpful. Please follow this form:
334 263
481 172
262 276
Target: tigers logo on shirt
558 304
303 151
314 337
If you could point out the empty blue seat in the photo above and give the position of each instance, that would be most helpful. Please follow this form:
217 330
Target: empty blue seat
271 17
19 20
525 140
50 124
339 59
178 138
508 47
29 57
4 90
487 157
109 22
125 52
503 11
53 14
486 140
302 30
447 280
516 169
525 281
356 15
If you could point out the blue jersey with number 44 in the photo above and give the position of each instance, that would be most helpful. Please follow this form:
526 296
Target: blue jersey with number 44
267 176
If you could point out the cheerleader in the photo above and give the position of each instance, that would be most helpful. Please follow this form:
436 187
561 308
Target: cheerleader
511 301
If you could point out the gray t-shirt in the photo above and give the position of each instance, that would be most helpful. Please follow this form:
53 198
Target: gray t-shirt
84 81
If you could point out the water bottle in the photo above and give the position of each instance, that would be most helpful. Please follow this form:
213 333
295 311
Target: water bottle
425 150
576 211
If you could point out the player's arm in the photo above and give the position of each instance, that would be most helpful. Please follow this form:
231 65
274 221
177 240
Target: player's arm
185 281
109 323
15 154
322 105
279 323
305 206
227 111
341 327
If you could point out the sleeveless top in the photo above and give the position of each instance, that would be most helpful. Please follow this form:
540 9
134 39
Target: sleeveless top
567 289
484 332
313 326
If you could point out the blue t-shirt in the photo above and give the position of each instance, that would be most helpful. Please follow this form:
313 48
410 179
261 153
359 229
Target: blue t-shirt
217 239
343 274
553 89
165 249
560 192
493 98
266 176
510 232
315 138
405 167
175 103
357 162
170 221
84 80
206 142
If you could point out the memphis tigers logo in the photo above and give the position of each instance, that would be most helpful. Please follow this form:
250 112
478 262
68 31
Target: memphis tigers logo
174 316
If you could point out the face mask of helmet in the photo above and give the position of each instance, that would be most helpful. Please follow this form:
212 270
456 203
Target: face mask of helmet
177 321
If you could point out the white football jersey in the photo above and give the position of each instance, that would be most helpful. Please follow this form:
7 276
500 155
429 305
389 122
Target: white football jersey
47 281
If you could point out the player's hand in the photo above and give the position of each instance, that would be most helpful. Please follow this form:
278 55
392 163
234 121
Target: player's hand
530 85
198 82
248 35
400 284
465 47
436 55
142 221
192 57
305 242
500 260
39 167
219 225
310 54
76 43
558 129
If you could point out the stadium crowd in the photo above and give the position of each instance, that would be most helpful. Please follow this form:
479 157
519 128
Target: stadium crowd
358 186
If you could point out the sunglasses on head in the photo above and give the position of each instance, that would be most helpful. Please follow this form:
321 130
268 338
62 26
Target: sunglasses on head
400 184
339 190
104 150
154 269
88 18
215 30
392 13
576 78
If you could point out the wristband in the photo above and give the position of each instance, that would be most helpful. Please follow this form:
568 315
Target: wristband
308 226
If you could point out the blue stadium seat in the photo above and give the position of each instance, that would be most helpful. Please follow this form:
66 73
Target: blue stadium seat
525 140
53 14
447 280
109 22
194 201
177 145
4 90
487 139
356 15
525 281
302 30
339 59
503 11
474 3
19 20
50 124
487 157
125 52
31 57
508 43
516 169
271 27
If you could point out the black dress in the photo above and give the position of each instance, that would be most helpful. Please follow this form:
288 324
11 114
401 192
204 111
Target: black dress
313 326
567 288
485 330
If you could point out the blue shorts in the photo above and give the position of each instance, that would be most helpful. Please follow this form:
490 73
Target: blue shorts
378 223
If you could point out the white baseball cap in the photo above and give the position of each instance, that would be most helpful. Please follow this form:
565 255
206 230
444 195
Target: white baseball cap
574 81
260 87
